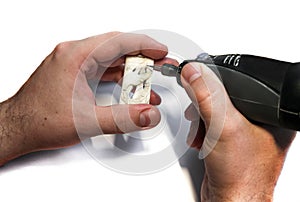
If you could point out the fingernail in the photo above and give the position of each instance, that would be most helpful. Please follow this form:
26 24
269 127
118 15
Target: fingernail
149 117
192 72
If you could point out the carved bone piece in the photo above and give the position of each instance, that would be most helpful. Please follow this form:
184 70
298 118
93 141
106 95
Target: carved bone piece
136 84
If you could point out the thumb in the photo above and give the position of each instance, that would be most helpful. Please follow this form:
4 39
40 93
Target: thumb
210 99
205 90
127 118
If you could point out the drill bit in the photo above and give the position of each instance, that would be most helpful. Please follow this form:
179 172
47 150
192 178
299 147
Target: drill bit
166 69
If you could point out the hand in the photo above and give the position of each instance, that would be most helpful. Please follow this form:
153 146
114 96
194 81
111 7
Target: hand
43 114
242 161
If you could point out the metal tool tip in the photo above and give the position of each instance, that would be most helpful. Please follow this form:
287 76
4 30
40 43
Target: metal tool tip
157 68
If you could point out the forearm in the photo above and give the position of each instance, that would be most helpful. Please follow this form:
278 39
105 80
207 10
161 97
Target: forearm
239 198
239 194
255 182
13 126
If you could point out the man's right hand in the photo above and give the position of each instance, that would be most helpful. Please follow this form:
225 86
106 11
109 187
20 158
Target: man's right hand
242 162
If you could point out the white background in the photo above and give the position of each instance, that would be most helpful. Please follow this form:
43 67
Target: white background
31 29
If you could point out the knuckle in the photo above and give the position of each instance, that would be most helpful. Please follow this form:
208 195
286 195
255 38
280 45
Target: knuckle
114 33
145 37
62 48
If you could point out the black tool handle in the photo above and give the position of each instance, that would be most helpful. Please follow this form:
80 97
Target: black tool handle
262 89
289 114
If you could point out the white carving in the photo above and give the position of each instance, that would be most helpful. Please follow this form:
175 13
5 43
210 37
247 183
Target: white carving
136 84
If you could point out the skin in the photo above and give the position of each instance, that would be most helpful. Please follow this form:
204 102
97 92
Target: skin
40 116
56 104
247 159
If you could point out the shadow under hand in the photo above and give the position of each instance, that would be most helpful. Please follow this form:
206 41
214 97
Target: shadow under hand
45 158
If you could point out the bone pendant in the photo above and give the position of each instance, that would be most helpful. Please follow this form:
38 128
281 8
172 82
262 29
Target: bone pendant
136 84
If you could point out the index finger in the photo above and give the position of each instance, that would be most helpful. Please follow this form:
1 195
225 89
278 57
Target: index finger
110 46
